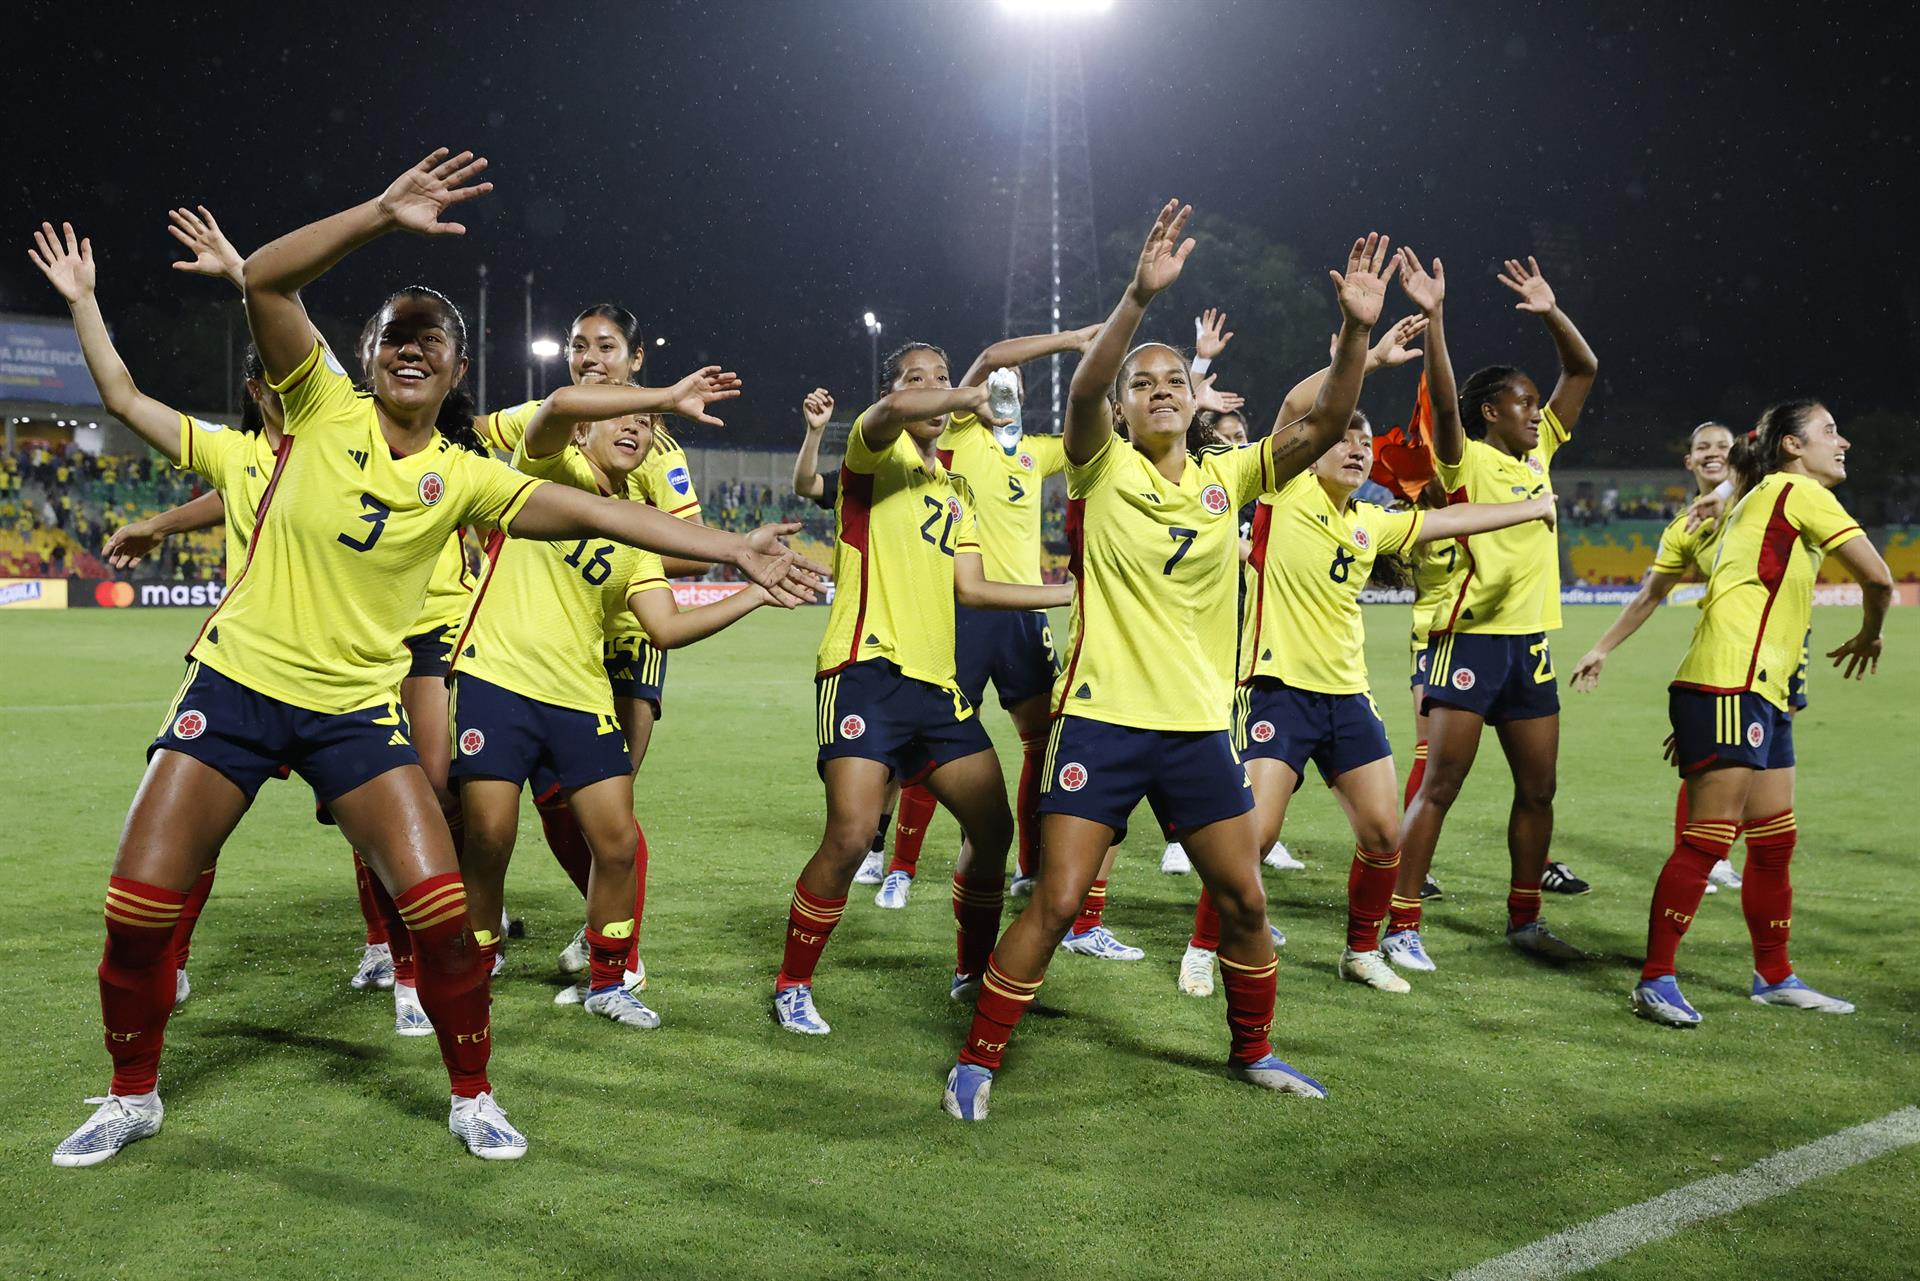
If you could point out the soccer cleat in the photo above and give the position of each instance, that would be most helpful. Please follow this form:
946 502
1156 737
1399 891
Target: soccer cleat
409 1016
376 969
793 1010
1790 991
1196 972
482 1125
893 890
1406 951
872 869
119 1119
1722 873
1430 888
1535 939
622 1006
574 957
1558 878
499 961
1278 935
1659 1001
1372 969
181 988
968 1086
1022 886
1282 860
1100 942
966 987
631 980
1174 862
1270 1073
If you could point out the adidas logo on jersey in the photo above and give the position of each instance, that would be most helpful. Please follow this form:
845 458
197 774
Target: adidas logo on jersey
1152 498
467 652
1083 692
873 640
359 457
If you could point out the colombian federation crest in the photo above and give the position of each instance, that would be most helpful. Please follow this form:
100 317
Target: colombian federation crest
432 488
1360 538
1026 460
1073 776
1463 678
852 727
1214 499
1756 734
1262 732
191 724
471 742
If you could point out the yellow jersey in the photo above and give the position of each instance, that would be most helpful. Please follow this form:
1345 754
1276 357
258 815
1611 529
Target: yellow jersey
1682 549
1006 493
898 524
1312 557
537 619
239 464
347 539
449 591
1753 624
1156 568
1511 586
1437 567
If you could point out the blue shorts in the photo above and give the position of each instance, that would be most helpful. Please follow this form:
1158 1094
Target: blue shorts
636 670
1102 772
871 710
1797 683
1337 732
250 738
1497 678
1422 659
1012 648
1727 729
500 734
431 653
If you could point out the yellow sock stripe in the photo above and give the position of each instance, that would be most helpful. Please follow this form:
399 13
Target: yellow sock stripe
1420 752
1251 971
1100 893
1774 827
1402 902
431 904
1514 891
805 912
136 902
1372 859
141 919
453 910
1010 986
978 898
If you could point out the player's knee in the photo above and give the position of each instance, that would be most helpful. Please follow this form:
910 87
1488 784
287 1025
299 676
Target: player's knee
1534 792
1379 833
1242 908
1057 905
846 841
1441 786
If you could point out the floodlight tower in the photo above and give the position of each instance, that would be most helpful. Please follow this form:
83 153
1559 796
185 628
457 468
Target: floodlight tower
1053 264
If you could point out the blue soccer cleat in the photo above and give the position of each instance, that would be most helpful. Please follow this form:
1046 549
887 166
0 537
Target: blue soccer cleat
1659 1001
623 1007
966 987
1791 992
894 890
968 1086
1269 1073
1100 942
1406 952
482 1125
793 1010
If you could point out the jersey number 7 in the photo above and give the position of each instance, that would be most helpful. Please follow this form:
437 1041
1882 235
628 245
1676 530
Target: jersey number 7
1185 538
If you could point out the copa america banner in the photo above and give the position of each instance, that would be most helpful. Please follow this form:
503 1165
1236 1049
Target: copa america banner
41 360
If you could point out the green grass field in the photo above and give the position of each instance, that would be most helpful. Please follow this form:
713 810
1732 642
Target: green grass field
1497 1104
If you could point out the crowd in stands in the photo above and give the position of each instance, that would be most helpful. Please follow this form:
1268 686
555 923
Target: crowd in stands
58 504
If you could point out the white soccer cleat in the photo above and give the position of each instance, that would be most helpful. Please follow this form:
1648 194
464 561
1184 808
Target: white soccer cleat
181 988
574 958
1372 969
119 1119
1794 994
1405 951
793 1010
894 890
1100 942
482 1125
1280 859
632 980
1022 885
872 869
623 1007
376 969
409 1016
1174 862
1271 1073
1722 873
1196 972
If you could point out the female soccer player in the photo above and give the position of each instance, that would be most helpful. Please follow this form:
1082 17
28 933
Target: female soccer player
299 663
886 692
1142 703
531 698
1732 734
1303 686
1489 659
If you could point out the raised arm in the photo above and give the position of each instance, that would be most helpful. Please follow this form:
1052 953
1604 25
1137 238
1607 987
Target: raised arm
276 272
1210 338
816 411
1578 365
1429 291
670 627
1861 651
551 427
1089 422
213 254
66 260
1654 588
888 416
1009 352
130 544
1389 352
1361 293
972 588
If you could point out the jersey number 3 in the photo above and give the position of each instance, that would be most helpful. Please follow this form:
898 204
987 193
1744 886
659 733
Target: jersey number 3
376 514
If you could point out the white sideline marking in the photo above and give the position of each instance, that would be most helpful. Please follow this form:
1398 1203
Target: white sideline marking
85 707
1611 1235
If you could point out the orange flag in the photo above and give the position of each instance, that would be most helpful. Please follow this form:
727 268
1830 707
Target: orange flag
1403 457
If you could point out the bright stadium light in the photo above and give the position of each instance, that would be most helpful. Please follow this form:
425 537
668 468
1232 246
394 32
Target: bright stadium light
659 342
545 348
872 324
1054 8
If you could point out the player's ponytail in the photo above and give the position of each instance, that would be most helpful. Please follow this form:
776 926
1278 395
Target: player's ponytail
1762 451
252 374
458 410
1480 388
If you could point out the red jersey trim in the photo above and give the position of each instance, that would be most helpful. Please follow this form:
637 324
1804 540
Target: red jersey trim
1076 563
1262 528
856 529
496 541
1850 529
280 457
1776 549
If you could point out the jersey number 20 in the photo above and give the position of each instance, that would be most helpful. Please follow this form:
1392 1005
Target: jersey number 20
940 509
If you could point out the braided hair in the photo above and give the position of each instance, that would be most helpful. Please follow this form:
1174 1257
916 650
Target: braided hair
1479 390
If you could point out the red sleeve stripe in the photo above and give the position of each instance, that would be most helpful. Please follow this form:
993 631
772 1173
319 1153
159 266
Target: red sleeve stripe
855 528
496 541
1829 541
1262 531
1076 561
1776 548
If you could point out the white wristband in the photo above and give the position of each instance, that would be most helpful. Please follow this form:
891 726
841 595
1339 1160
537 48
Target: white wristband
1722 491
1201 364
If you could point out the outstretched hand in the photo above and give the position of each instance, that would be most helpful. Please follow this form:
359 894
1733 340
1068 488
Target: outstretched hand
415 200
1392 350
692 394
213 254
1536 295
789 578
1362 292
1705 508
1860 654
1165 253
1208 341
130 544
1220 402
1586 672
1427 289
817 409
68 267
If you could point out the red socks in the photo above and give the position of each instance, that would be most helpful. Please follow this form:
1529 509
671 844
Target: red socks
976 911
1033 753
639 894
136 979
1206 924
1250 991
910 828
567 841
190 916
1415 774
1766 894
452 978
1677 894
370 908
1370 884
1002 1001
1403 913
810 920
1091 908
607 953
1523 903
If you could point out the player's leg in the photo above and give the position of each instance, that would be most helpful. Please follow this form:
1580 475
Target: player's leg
856 789
1274 783
1453 740
1088 935
1371 799
491 813
873 868
975 793
1417 771
1031 721
615 899
1532 749
1716 803
1766 896
915 814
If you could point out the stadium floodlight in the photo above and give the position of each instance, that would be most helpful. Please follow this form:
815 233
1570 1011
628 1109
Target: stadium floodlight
1054 8
873 348
544 348
873 326
659 342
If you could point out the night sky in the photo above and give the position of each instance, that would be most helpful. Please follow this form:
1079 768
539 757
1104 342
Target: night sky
1725 203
